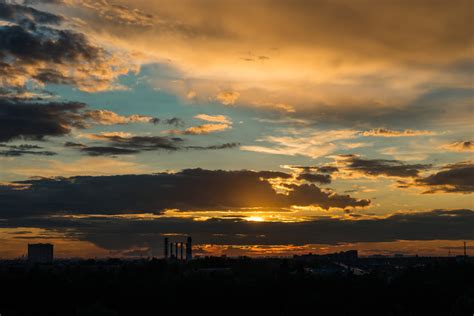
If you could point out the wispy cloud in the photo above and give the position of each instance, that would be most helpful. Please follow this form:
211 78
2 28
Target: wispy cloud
384 132
304 142
460 146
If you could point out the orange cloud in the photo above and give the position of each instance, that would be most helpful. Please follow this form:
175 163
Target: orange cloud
228 97
460 146
206 129
213 118
105 117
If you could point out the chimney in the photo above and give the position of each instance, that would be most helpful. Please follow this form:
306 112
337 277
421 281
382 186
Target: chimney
166 247
181 246
189 249
176 250
171 250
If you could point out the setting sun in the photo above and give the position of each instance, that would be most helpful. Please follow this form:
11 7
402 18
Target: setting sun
255 219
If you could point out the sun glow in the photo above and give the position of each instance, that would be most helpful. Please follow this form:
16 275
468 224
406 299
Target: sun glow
255 219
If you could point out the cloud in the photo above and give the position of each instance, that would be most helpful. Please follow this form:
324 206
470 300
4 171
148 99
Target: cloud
130 233
460 146
383 132
139 142
107 151
74 145
156 192
125 144
317 178
25 149
206 129
176 121
454 178
106 117
305 142
380 167
212 147
214 118
19 13
37 120
322 169
228 97
218 123
304 66
30 120
33 49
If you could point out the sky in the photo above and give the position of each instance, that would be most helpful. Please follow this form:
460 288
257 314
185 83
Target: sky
262 128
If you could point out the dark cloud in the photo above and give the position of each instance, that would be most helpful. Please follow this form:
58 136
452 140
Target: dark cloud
454 178
107 151
211 147
143 142
65 46
318 178
274 174
25 149
23 14
175 121
114 233
130 145
53 77
321 169
30 120
383 167
74 145
190 189
34 49
20 119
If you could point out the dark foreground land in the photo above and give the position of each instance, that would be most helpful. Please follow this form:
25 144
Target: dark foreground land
220 286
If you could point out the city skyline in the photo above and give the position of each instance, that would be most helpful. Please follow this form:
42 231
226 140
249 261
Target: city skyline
270 128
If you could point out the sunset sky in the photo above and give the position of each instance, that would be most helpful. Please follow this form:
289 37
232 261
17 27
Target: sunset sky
264 127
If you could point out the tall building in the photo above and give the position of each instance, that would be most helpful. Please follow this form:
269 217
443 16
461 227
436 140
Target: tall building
40 253
166 247
189 249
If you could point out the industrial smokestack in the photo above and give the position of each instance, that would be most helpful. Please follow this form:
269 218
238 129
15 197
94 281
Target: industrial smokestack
166 247
171 250
176 250
189 249
181 246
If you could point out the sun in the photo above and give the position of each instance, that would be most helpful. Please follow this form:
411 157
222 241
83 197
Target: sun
255 219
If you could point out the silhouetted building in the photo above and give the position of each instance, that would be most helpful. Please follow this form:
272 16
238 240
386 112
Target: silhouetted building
166 247
350 255
176 250
189 249
40 253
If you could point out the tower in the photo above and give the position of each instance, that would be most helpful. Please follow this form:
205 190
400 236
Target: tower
189 249
166 247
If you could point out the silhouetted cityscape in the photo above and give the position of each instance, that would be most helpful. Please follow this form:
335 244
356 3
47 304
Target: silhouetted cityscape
341 283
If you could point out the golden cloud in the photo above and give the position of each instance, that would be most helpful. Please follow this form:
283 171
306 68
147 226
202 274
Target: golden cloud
206 129
460 146
106 117
344 53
